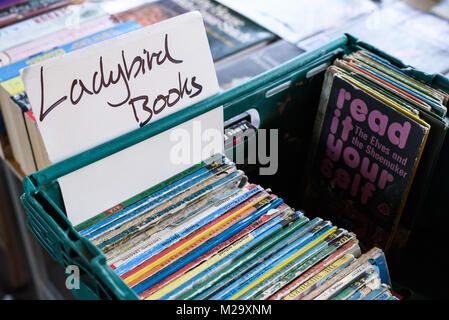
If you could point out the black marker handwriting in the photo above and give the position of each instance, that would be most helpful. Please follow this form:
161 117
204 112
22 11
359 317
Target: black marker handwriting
122 74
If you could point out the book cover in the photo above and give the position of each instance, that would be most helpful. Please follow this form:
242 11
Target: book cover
227 31
22 10
56 39
47 23
365 156
244 68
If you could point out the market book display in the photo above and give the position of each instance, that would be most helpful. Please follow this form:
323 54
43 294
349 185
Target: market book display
148 228
209 234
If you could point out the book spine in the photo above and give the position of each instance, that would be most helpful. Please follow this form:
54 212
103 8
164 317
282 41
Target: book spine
319 278
270 286
269 270
147 218
310 272
154 196
186 281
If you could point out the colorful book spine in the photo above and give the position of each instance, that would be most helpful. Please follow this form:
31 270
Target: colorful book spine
185 280
149 212
211 218
320 277
313 270
338 286
296 272
375 293
150 202
215 262
355 285
269 286
170 236
258 290
138 225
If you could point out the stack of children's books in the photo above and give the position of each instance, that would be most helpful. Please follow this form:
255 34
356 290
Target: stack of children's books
377 138
208 233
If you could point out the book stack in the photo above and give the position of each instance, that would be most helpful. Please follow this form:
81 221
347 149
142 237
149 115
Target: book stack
377 139
207 233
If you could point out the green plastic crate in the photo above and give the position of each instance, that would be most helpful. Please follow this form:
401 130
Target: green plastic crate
295 85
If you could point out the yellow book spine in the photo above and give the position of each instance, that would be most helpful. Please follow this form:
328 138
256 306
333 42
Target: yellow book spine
14 86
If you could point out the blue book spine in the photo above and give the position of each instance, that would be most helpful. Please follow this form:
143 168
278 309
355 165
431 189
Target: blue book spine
381 263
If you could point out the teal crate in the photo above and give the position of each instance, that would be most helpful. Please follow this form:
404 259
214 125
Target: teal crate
295 86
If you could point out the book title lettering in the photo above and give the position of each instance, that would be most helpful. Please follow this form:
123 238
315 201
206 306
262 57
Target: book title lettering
363 130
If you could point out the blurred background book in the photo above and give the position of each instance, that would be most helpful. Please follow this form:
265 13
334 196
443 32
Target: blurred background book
247 38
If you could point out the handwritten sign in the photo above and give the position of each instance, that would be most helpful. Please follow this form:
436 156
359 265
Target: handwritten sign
93 95
88 97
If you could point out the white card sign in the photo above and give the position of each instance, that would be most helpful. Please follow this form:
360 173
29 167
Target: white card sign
102 184
95 94
90 96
